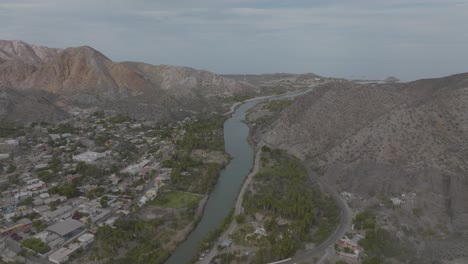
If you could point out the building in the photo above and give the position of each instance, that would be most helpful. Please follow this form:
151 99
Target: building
63 254
21 225
351 244
67 228
13 142
59 213
86 239
89 156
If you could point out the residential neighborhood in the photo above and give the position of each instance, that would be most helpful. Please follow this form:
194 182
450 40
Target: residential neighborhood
61 183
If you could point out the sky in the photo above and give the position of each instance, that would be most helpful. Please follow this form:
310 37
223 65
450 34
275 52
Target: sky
372 39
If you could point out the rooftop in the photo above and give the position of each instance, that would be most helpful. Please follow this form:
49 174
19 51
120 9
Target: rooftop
64 227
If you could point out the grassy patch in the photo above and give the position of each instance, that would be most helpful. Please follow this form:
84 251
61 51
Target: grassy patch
176 200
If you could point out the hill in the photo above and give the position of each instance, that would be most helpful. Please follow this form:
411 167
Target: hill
381 141
85 77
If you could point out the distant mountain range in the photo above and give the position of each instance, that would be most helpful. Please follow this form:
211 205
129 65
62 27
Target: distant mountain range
85 77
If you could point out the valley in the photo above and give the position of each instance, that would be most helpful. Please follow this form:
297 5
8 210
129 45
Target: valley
127 162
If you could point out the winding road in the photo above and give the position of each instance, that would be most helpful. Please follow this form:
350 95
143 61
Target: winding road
346 217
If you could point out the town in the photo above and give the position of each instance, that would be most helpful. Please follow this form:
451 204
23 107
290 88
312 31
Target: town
65 183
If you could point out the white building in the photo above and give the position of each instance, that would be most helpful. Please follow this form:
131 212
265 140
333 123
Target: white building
86 239
13 142
63 254
89 156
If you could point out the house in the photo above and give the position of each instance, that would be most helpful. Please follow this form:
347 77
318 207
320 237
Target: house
12 142
86 239
351 244
63 254
67 228
59 213
35 186
21 225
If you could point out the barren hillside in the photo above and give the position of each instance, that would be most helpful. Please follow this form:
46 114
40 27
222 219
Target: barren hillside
389 140
85 77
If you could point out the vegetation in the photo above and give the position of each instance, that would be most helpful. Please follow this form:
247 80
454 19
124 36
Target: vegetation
378 243
120 119
281 189
36 245
11 168
10 130
69 190
39 225
90 170
213 235
136 232
364 220
241 98
176 200
26 201
277 105
104 201
64 128
205 133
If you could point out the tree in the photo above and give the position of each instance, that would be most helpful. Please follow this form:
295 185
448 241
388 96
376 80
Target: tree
13 179
240 218
104 201
11 168
36 245
374 260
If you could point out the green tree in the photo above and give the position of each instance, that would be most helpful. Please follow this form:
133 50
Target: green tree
36 245
11 168
104 201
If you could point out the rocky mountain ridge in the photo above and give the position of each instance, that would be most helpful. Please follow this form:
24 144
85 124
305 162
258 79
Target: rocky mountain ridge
85 77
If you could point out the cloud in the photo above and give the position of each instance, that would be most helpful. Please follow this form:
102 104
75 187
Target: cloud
375 38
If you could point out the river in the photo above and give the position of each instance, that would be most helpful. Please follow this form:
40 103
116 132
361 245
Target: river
223 196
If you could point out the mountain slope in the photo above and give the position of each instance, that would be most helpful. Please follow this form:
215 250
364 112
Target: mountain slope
388 140
85 77
28 106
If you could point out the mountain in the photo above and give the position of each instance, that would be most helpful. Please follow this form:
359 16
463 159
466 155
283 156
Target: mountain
28 106
85 77
379 141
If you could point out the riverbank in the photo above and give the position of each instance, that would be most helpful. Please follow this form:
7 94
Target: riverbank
237 210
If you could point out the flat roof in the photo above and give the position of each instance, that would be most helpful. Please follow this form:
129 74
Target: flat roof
86 237
64 227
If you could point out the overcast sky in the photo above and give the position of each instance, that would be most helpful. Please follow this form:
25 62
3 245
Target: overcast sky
409 39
